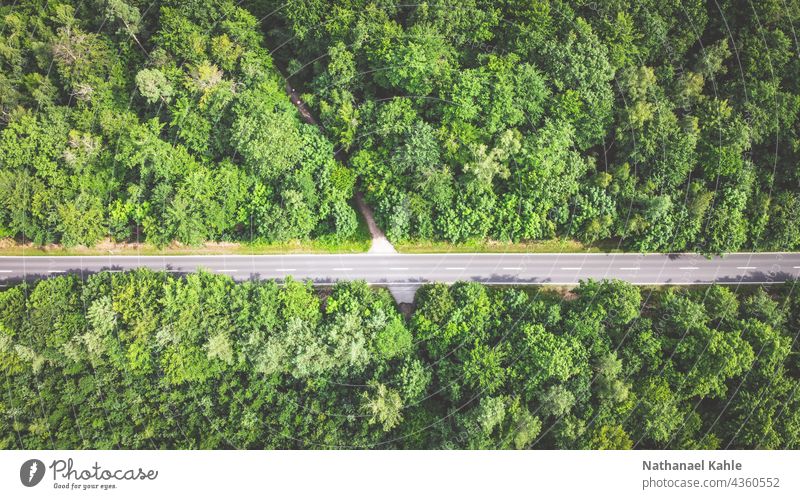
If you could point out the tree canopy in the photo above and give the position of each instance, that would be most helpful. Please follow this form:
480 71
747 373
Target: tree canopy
155 122
662 126
658 126
148 360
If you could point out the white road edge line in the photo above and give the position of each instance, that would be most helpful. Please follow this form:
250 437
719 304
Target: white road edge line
571 268
454 268
227 270
6 271
56 271
285 270
398 268
342 268
689 268
629 268
746 268
512 268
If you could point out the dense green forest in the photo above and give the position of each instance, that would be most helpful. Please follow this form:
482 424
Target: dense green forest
665 125
658 125
155 121
149 360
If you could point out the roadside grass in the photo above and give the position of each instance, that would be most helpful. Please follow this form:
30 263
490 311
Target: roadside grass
358 243
546 246
232 248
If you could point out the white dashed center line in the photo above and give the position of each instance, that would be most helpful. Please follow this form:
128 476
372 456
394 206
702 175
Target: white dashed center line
343 268
571 268
454 268
512 268
689 268
398 268
629 268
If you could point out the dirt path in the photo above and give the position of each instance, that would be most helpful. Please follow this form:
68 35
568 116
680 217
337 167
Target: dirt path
380 245
300 105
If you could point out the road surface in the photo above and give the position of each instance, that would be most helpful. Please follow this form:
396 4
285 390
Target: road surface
404 273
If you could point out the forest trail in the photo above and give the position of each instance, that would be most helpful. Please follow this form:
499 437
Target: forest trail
305 113
380 245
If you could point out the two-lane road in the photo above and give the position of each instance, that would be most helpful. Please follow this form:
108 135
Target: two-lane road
407 271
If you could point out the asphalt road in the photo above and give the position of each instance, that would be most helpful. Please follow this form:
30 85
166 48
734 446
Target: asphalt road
403 273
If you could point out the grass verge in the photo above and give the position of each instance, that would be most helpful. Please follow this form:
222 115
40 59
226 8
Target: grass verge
358 243
548 246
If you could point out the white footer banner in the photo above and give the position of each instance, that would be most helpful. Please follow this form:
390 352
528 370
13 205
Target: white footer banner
380 474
